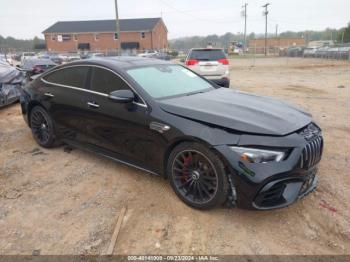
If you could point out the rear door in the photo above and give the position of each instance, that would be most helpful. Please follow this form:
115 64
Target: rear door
208 62
65 95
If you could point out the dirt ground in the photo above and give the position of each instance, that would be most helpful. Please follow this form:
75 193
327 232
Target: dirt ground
61 202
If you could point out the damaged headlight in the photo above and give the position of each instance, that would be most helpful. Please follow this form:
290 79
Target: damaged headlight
255 155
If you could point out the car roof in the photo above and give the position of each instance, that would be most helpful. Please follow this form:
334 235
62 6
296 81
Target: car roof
120 63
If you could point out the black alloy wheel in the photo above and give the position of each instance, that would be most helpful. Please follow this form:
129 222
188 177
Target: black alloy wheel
198 176
42 127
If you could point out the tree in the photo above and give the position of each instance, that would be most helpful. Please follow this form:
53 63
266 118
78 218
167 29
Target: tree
346 32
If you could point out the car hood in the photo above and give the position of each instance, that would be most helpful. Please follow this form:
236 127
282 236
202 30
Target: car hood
239 111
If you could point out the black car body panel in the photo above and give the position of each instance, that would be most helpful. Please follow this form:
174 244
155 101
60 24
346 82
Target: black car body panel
239 111
143 133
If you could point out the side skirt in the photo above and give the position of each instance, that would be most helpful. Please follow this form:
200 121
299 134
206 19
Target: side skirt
107 154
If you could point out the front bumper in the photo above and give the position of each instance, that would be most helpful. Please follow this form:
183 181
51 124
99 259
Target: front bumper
282 193
271 185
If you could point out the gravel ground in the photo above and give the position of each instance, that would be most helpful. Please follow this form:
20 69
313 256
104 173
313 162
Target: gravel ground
66 202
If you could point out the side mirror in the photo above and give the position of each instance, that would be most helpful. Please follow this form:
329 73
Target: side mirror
122 96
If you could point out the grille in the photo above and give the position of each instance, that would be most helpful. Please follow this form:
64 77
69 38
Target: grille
312 153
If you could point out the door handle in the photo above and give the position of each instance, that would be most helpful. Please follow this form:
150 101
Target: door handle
49 95
93 104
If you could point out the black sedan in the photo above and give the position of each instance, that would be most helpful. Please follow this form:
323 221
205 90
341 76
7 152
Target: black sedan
215 145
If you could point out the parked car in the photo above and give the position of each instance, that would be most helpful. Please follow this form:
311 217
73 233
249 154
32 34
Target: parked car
322 52
344 52
147 53
11 80
36 66
6 58
213 144
73 57
161 56
310 51
56 59
211 63
27 55
94 55
295 51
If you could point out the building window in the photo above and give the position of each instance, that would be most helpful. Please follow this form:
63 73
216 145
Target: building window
143 35
66 38
116 36
97 37
75 37
53 37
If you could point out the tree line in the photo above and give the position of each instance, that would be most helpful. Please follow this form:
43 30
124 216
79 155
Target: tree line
10 44
184 43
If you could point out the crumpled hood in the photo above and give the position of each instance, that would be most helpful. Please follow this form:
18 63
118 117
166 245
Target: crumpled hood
239 111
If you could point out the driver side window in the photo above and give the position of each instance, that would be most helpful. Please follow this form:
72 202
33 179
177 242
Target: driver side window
104 81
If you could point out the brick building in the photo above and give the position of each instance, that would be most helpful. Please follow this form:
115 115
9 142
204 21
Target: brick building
258 45
100 35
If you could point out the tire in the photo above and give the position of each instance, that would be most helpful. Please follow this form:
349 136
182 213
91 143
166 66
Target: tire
42 127
197 175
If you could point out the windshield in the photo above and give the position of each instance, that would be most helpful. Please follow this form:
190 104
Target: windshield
168 80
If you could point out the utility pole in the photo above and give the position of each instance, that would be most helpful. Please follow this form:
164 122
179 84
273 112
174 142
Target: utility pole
245 26
266 12
117 36
278 44
342 37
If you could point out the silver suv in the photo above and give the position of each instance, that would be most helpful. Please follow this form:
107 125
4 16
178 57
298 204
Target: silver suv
211 63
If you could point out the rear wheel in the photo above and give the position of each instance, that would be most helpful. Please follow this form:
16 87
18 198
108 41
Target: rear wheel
198 176
42 127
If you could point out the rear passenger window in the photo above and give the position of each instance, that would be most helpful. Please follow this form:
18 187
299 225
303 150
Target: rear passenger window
207 54
104 81
72 76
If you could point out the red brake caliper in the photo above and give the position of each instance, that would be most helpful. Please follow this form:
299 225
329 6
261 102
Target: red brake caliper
185 173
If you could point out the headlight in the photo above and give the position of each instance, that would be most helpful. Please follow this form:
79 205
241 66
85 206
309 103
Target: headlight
253 155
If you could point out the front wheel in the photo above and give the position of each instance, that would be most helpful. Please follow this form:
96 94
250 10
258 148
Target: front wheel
42 127
197 176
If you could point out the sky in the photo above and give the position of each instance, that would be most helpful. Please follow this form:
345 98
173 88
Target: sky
25 19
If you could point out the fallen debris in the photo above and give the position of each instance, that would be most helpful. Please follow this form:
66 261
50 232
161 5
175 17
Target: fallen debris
118 226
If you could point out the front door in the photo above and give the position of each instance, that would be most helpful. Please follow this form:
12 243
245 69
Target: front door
120 128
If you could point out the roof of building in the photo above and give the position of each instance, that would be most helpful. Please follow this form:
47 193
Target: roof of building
92 26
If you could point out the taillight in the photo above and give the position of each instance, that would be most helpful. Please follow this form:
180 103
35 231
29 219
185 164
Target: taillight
191 62
224 61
